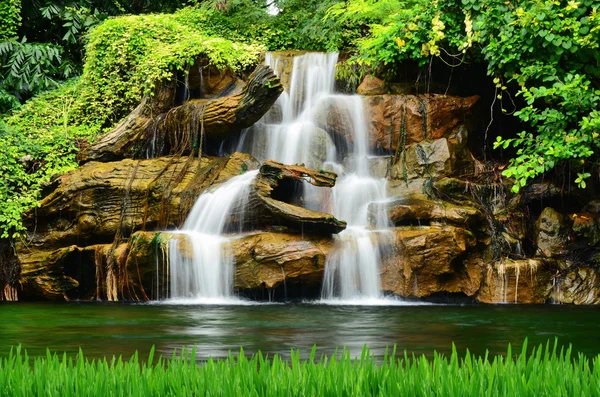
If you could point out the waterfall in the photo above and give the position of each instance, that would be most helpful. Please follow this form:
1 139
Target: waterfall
206 272
295 131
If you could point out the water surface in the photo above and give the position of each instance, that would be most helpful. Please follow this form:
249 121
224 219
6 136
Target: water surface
120 329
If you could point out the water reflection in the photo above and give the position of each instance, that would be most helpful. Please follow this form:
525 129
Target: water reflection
116 329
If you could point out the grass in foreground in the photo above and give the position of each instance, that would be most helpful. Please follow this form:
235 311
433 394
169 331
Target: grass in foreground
544 372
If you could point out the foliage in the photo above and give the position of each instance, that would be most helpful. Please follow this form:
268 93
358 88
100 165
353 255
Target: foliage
545 371
29 68
31 156
548 47
126 57
10 15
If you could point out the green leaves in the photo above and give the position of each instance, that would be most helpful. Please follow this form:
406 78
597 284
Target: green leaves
581 177
10 15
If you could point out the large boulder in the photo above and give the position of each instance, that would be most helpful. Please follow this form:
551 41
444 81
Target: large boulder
100 200
577 285
161 126
270 260
426 260
418 209
396 121
138 270
272 199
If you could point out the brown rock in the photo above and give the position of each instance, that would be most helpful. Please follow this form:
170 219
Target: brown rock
101 200
433 159
551 233
423 261
159 127
414 208
283 63
395 121
371 85
271 199
267 260
515 281
401 120
580 286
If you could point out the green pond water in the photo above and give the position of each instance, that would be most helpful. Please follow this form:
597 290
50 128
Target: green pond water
120 329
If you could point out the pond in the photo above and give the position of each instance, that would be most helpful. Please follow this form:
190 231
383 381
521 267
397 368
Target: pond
102 329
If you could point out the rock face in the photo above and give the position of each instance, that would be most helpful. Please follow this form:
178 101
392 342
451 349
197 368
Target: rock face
100 200
92 212
397 121
402 120
551 233
424 260
515 281
408 209
371 85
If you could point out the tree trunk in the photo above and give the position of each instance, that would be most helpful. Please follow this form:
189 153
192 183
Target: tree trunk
157 128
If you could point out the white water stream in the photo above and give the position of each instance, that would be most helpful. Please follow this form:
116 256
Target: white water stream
208 275
292 132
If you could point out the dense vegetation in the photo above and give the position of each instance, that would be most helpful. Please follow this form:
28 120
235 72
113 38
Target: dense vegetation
86 66
544 372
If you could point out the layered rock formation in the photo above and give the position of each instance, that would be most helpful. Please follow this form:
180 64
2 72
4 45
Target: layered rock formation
102 231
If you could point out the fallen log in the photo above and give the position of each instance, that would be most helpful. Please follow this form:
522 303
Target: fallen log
156 127
272 199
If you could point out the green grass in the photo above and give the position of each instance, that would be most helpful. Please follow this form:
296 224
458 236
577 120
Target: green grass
545 371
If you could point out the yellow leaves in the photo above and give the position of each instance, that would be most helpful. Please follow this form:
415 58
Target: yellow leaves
437 34
572 5
469 31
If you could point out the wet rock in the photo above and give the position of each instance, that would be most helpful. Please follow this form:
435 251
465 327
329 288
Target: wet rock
132 271
579 286
551 233
515 281
425 260
268 260
433 159
98 201
139 269
371 85
418 209
10 268
283 62
396 121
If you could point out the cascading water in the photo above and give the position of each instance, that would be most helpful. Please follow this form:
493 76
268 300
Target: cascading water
292 132
207 275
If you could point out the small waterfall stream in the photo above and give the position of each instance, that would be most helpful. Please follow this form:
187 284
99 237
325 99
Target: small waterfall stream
291 132
207 275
